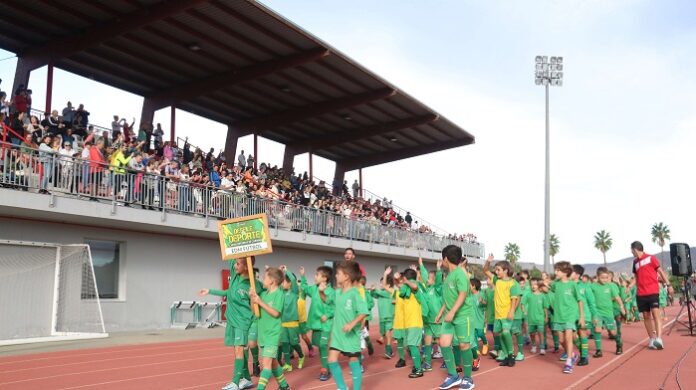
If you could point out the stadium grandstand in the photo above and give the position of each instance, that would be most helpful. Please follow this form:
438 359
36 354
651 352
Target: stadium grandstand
145 201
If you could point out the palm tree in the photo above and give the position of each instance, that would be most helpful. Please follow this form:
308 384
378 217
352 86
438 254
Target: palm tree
603 242
512 252
554 247
660 234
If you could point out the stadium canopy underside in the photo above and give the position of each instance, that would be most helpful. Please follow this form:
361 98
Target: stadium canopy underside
234 62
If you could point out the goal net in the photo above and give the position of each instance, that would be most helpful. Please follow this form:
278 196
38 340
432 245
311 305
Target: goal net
48 292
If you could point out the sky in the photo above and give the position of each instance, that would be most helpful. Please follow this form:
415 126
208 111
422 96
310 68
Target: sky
622 125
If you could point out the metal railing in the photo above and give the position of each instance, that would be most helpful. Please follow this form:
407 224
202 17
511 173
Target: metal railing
27 169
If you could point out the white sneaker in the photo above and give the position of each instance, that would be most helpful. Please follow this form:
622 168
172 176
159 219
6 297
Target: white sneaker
657 343
230 386
437 355
651 343
245 384
542 351
534 349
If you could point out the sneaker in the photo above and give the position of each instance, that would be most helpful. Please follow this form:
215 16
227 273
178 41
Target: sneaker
284 388
416 374
542 351
245 384
467 384
230 386
437 355
651 343
427 367
555 349
450 382
499 354
476 363
583 361
511 361
564 356
500 357
568 369
324 375
575 358
300 363
658 343
484 350
257 370
527 340
493 354
619 349
388 355
598 354
443 365
519 357
534 349
400 363
287 367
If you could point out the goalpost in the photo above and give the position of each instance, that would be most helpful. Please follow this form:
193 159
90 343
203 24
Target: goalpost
48 292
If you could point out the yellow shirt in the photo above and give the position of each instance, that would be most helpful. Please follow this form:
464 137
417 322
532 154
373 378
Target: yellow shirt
502 298
407 313
301 310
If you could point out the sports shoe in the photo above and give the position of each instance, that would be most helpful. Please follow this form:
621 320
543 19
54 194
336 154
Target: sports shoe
416 374
542 351
443 365
437 355
555 349
520 356
533 349
284 388
619 349
568 369
400 363
598 354
527 339
324 375
484 349
245 384
564 356
230 386
511 361
476 363
370 349
658 343
493 354
450 382
500 357
257 370
427 367
583 361
300 363
499 354
467 384
651 343
388 355
575 358
287 367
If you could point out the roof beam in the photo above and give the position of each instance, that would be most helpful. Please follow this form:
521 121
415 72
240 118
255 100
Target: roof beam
213 83
368 161
94 35
361 133
298 114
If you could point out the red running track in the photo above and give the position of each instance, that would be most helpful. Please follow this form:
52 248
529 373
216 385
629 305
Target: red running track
208 365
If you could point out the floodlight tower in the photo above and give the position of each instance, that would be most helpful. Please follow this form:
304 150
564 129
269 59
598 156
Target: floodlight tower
548 72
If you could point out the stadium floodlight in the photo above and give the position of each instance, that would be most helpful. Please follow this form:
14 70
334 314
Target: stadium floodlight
548 72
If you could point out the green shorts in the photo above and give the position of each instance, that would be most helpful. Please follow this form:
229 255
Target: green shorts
269 351
290 336
501 325
399 333
235 337
303 328
606 322
433 330
536 328
516 326
561 326
462 330
478 334
254 330
413 336
385 326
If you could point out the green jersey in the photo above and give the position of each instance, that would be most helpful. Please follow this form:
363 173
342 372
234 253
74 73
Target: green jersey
385 304
589 306
238 312
549 303
349 305
565 303
489 293
269 327
478 305
605 294
622 295
662 298
536 305
433 295
370 304
319 307
519 312
290 313
457 281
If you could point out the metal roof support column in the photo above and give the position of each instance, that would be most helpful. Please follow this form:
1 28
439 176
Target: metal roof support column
256 150
339 177
233 135
24 67
172 128
311 166
288 159
360 182
147 115
49 87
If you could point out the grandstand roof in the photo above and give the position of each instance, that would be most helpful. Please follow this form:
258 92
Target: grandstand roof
236 62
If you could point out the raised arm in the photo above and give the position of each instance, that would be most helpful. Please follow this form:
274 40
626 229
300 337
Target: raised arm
487 267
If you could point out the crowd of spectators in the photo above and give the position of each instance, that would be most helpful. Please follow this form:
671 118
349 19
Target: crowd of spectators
140 168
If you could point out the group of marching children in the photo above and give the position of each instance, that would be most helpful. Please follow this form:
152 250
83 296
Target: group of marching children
426 314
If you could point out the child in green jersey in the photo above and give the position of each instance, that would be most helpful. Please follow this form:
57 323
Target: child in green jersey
321 312
536 307
568 309
271 306
290 335
433 298
586 294
478 304
489 299
518 319
351 310
606 293
385 309
239 320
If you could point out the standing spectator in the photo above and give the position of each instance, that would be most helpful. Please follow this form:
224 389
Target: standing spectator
96 167
67 164
356 188
69 114
242 160
116 128
168 152
46 159
408 218
81 121
35 129
159 134
344 188
128 130
4 105
215 176
17 124
250 161
21 101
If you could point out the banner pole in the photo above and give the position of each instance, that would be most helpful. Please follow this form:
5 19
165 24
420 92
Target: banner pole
252 284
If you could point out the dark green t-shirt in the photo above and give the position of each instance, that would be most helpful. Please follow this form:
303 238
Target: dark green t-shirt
349 305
